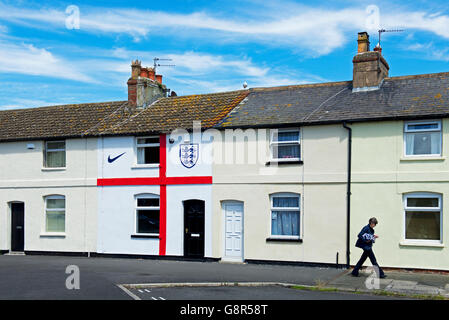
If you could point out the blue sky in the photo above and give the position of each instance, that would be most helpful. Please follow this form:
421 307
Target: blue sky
215 45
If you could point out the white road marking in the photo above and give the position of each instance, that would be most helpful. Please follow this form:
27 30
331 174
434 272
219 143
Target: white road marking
132 295
153 298
147 290
140 291
161 298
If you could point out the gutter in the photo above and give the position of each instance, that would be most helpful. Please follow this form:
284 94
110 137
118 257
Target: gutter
348 196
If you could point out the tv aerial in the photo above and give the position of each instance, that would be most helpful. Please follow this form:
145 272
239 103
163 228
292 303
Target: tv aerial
156 64
383 30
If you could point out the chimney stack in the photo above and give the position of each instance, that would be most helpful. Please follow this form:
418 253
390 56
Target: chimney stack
370 67
143 88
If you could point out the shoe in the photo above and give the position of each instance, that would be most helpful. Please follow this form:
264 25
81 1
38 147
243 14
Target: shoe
382 276
354 275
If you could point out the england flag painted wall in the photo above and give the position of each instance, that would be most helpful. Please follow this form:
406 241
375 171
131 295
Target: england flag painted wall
154 196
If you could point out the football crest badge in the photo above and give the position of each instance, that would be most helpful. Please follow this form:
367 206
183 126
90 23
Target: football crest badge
188 154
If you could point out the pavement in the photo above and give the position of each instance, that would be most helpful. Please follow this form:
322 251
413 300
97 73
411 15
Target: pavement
420 284
45 277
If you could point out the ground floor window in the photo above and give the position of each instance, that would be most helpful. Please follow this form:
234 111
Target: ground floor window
285 215
423 216
147 214
55 213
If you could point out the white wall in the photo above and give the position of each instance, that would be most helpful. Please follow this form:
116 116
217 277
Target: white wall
116 221
320 180
116 218
24 179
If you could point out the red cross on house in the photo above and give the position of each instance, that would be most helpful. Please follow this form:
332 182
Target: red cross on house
163 181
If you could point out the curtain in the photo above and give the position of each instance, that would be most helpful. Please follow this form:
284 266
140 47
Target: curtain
409 144
285 223
55 221
435 143
55 159
140 155
422 225
423 143
288 151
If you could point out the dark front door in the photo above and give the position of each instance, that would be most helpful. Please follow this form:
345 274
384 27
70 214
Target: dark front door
194 228
17 226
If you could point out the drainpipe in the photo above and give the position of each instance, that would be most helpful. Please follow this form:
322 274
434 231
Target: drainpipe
348 195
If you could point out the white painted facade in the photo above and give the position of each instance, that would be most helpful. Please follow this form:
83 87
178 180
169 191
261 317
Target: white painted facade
237 206
23 178
117 205
319 183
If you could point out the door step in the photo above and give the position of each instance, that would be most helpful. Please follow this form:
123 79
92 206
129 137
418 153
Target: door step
15 253
232 261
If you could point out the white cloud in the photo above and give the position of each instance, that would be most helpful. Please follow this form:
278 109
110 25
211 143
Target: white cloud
317 30
29 60
430 51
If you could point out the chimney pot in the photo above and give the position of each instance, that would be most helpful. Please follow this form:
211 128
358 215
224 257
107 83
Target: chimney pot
151 73
135 69
144 73
363 42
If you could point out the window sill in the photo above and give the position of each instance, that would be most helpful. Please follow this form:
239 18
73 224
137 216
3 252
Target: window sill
145 166
421 244
54 169
271 239
53 235
423 158
283 162
144 236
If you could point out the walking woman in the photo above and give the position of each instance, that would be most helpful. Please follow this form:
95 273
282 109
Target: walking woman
365 241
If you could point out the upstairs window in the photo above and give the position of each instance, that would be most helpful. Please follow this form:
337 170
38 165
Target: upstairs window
54 154
422 138
55 213
147 214
423 217
285 215
147 150
285 145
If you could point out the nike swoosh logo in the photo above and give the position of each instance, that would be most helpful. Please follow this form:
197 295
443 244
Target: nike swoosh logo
113 159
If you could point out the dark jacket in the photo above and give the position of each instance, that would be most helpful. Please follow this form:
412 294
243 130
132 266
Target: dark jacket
365 238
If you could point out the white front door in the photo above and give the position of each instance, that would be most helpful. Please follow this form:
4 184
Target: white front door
233 235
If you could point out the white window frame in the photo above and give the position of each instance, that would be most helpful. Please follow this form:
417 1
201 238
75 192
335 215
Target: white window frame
46 150
273 144
136 146
136 208
272 208
428 209
406 130
59 197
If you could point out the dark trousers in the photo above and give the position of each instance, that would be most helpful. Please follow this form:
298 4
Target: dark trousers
367 254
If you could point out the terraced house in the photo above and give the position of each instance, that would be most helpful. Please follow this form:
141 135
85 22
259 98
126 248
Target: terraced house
280 174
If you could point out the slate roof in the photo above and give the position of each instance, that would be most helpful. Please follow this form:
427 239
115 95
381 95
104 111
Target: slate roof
117 117
408 97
